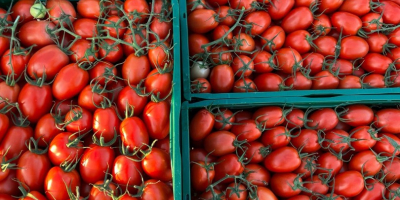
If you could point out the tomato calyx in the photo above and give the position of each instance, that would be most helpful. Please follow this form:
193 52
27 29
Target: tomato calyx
74 141
76 113
64 26
217 112
156 98
19 119
24 189
197 86
100 141
74 196
70 164
35 143
105 186
306 120
8 163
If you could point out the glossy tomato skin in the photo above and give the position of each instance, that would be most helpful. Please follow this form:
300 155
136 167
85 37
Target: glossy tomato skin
326 45
389 11
139 38
350 82
321 25
324 118
374 190
57 8
313 61
106 123
220 143
135 68
316 185
14 141
88 99
33 169
34 33
358 115
79 120
356 7
254 152
329 6
4 44
9 186
60 152
376 63
329 162
134 133
280 8
21 8
228 165
390 168
126 172
200 176
131 97
281 184
159 83
156 190
94 162
49 59
83 51
365 162
386 119
88 8
298 82
35 101
349 183
384 145
269 116
307 139
4 125
263 61
277 160
335 140
349 23
299 18
353 47
157 165
63 88
204 119
156 118
99 194
298 41
268 82
289 60
273 38
242 66
275 137
195 43
260 21
18 63
202 21
85 27
222 79
374 81
367 138
56 179
139 6
258 175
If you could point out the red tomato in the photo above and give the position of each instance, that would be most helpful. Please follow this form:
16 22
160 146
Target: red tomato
201 176
16 64
94 162
157 165
285 159
221 55
376 63
315 185
32 170
22 9
335 140
390 169
298 40
358 115
298 82
85 27
324 118
110 51
65 146
202 21
386 120
228 165
161 28
313 61
285 184
83 51
88 8
243 42
233 194
374 190
280 8
56 181
247 130
307 167
9 185
4 125
222 79
4 44
289 60
139 7
372 21
225 15
159 55
364 138
35 33
350 82
391 191
353 47
100 72
240 4
268 82
242 66
321 25
365 162
59 8
127 172
263 62
79 120
299 18
134 133
306 140
295 118
259 21
97 193
49 59
201 155
329 6
63 88
196 41
35 101
376 42
390 12
254 152
139 41
356 7
218 33
274 37
325 80
275 137
394 37
105 123
156 118
154 189
257 175
347 22
130 96
213 143
386 145
349 183
374 81
115 21
269 116
326 45
160 84
203 119
14 141
9 92
224 120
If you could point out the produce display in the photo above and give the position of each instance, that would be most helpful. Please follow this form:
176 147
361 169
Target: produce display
85 99
274 152
276 45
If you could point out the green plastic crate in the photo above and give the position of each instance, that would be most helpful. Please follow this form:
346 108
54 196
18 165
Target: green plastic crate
298 102
189 96
175 102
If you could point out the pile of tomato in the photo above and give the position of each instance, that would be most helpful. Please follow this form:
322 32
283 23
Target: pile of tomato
271 152
85 97
275 45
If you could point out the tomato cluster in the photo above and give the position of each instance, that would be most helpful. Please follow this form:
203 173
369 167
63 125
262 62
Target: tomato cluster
347 152
85 97
275 45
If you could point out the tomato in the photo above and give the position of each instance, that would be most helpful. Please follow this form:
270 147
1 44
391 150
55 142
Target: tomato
159 54
313 61
390 169
16 64
224 120
356 7
79 120
4 125
201 176
219 33
347 22
33 169
9 92
157 165
289 60
366 162
85 27
283 184
225 15
315 185
335 140
374 81
105 123
376 63
344 67
94 162
114 21
196 41
280 8
227 165
203 119
97 193
307 167
239 193
221 55
242 4
100 72
329 6
386 120
242 66
56 181
389 11
63 88
195 4
220 143
321 25
159 84
9 186
140 7
88 8
358 115
21 8
243 42
385 144
376 42
306 140
200 155
268 82
299 18
243 115
134 133
269 116
298 82
110 51
82 51
59 8
156 190
161 28
127 172
277 160
6 197
140 41
263 62
394 37
35 101
35 33
130 96
222 79
365 136
274 37
202 21
372 21
295 118
350 82
4 44
298 41
326 45
349 183
257 174
324 118
329 163
259 20
49 59
156 118
353 47
374 190
325 80
275 137
65 146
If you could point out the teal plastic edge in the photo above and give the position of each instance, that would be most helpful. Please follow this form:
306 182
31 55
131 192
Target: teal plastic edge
299 102
175 102
176 107
189 96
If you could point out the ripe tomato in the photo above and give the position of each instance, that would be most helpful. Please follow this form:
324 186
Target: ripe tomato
284 159
9 185
4 44
56 181
46 129
219 33
220 143
372 21
385 144
326 45
199 154
59 8
307 167
222 79
323 119
224 120
390 169
100 72
97 193
82 51
94 162
268 82
350 82
289 60
160 84
127 172
275 137
295 118
280 8
242 66
63 88
16 64
225 15
366 162
134 133
273 38
139 7
157 165
79 120
196 41
356 7
325 80
298 82
391 191
22 9
349 183
85 27
201 125
259 20
155 189
243 42
88 8
374 81
347 22
269 116
35 101
315 185
313 61
306 140
376 42
4 125
329 163
299 18
105 123
110 51
394 37
65 146
240 4
374 190
298 41
221 55
329 6
202 20
390 12
140 41
161 28
201 176
263 62
358 115
386 119
321 25
365 136
257 174
285 184
130 96
376 63
159 55
227 165
35 33
353 47
156 118
49 59
32 170
335 140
